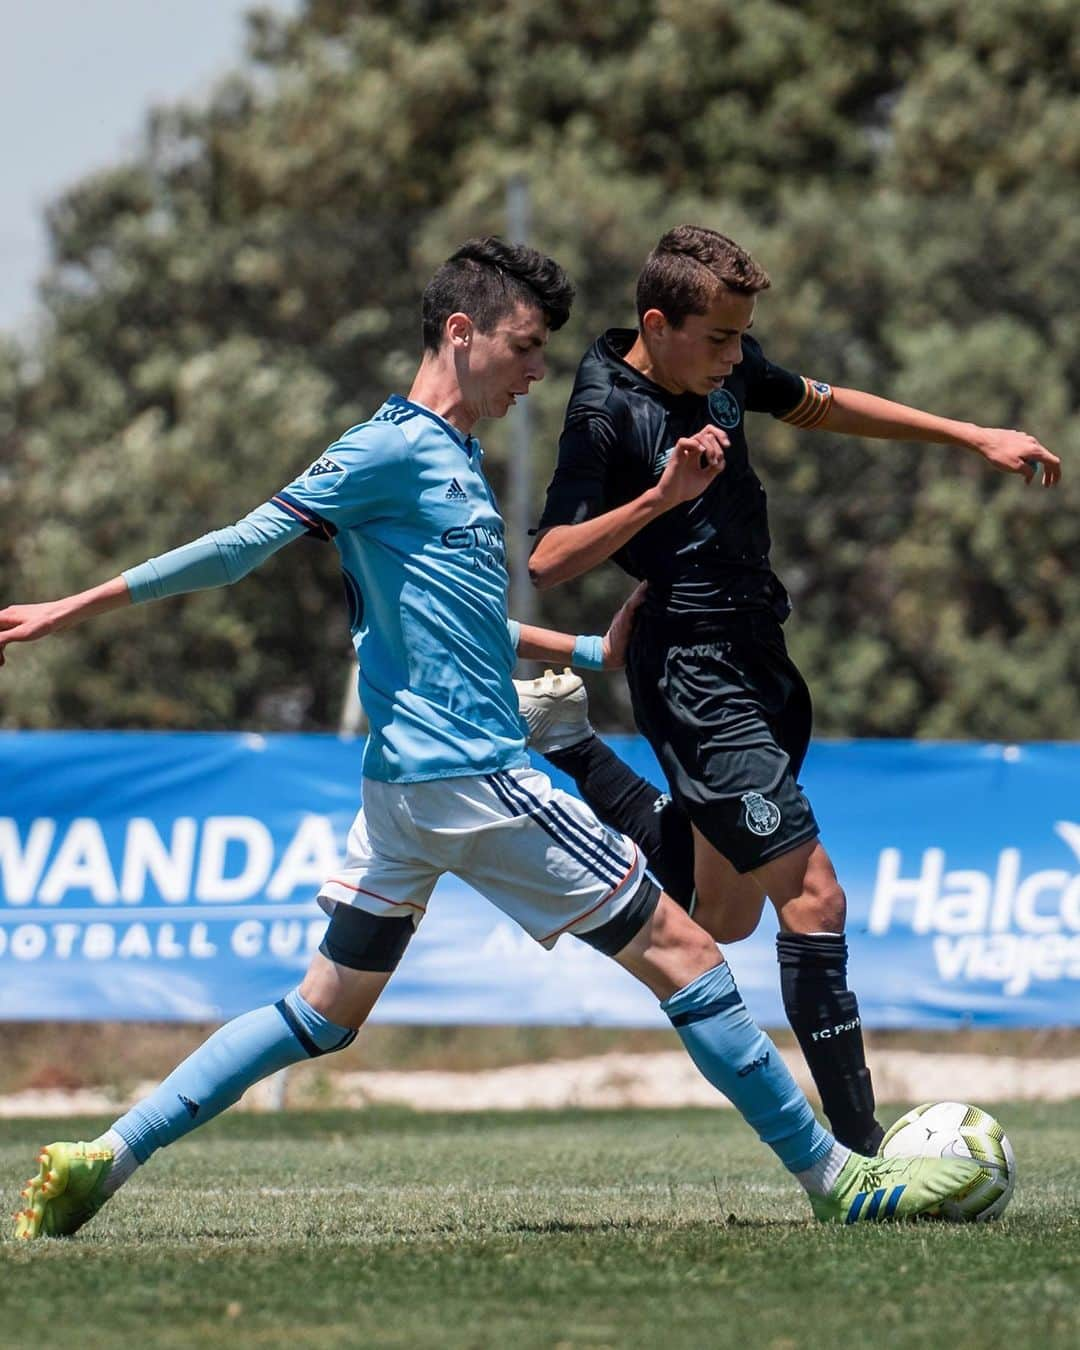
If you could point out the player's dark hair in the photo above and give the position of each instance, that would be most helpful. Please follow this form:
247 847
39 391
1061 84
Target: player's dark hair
689 267
486 279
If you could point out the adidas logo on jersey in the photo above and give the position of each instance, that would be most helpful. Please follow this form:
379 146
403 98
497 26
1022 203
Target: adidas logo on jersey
455 492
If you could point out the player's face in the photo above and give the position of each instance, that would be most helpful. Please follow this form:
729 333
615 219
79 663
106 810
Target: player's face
698 356
504 362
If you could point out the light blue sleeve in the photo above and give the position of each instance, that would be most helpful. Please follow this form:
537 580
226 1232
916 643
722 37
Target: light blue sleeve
361 477
514 629
217 559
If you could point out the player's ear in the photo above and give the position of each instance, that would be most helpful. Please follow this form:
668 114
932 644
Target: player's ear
459 330
653 323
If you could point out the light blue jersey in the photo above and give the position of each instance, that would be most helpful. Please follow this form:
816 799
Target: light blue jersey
423 555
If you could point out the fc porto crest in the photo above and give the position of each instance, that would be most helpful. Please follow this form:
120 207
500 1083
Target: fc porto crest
762 815
724 408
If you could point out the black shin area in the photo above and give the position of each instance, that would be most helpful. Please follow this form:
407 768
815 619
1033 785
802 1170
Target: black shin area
824 1015
363 941
611 937
631 804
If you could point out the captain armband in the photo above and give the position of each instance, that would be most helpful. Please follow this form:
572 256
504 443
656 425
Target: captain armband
813 407
588 653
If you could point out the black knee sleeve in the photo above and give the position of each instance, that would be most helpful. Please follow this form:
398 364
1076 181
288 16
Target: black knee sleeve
611 937
361 941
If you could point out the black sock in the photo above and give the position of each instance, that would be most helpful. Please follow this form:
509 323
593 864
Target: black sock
629 803
824 1016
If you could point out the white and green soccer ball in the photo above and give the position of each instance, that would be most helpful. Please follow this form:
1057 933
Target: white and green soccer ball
956 1130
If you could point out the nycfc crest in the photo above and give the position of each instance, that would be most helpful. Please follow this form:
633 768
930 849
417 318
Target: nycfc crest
724 408
762 816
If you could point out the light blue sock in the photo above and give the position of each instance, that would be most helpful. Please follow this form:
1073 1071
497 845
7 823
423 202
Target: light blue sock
216 1075
737 1057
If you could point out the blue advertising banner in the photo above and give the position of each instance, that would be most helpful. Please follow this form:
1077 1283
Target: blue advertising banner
172 876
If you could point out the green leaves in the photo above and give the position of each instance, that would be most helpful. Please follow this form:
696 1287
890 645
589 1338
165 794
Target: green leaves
244 288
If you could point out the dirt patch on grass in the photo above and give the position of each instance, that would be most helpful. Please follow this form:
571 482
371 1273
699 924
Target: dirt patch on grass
670 1079
618 1079
115 1057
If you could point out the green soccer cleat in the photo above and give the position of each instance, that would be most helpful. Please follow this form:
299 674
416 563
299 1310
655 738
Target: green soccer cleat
870 1190
67 1191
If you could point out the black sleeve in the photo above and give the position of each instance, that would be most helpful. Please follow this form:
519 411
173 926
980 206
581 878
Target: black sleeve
769 388
577 490
772 389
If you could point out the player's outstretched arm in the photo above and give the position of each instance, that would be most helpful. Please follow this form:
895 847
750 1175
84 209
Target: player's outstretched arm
857 414
566 551
215 559
599 653
27 623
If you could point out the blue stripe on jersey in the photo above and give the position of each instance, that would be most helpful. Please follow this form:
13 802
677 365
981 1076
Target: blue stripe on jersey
588 851
310 519
354 598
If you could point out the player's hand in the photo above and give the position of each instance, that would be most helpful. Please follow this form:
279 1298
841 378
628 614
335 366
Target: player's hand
693 464
27 623
617 637
1017 452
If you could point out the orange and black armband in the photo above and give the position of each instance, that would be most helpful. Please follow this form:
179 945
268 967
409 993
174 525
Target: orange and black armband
813 407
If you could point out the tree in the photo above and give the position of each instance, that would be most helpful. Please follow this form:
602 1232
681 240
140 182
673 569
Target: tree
224 304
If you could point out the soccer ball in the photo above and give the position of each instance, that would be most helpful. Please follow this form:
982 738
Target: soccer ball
956 1130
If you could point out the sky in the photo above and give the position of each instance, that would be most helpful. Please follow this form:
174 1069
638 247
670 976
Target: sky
76 80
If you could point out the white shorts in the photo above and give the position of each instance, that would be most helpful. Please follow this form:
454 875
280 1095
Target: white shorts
536 853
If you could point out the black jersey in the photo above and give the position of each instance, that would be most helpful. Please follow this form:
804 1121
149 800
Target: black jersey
706 556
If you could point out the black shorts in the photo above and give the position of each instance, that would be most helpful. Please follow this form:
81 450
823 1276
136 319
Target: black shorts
729 718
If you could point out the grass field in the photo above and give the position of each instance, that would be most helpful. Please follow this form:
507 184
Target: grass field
651 1229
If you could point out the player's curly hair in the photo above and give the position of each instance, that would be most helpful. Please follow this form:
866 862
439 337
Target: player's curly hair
485 279
688 268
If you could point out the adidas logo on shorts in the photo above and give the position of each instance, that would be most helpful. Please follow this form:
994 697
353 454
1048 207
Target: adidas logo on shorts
455 492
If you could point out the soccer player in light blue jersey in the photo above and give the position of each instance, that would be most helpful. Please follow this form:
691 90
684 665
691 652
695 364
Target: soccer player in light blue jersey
447 783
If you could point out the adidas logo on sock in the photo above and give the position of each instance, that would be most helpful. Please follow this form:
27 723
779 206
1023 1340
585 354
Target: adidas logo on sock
192 1108
455 492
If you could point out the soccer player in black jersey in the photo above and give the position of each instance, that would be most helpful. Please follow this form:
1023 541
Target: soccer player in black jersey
654 471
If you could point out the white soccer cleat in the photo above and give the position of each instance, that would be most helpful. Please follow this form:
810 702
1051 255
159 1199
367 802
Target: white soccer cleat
555 709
